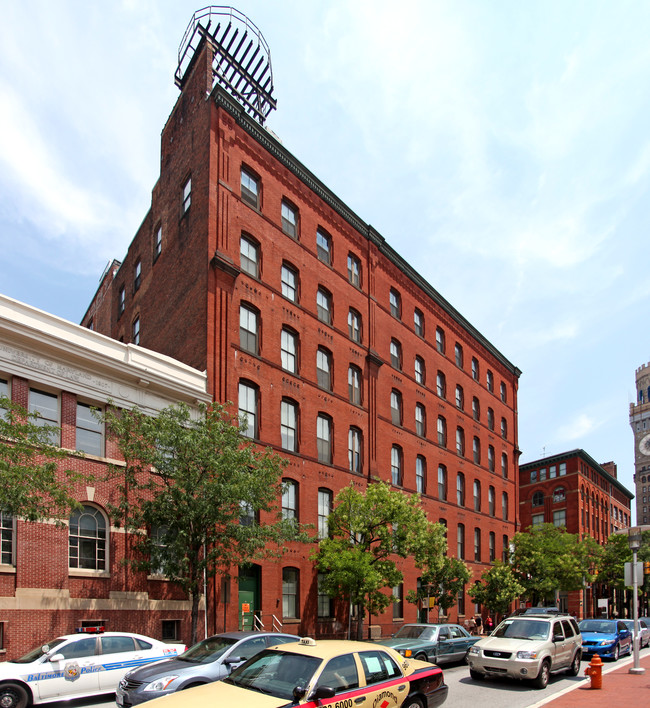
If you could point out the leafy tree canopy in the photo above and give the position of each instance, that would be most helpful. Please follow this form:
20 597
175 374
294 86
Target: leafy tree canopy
497 589
547 559
196 495
368 531
34 482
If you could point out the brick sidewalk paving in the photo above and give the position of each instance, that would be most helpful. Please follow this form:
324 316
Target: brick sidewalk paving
619 688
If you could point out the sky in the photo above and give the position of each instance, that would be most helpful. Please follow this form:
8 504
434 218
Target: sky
501 147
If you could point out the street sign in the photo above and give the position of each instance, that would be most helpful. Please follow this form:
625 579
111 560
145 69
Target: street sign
628 574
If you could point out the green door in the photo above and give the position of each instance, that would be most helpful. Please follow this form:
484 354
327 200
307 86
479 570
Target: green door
249 596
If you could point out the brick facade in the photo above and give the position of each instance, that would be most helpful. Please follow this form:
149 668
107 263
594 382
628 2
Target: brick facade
41 594
189 303
572 490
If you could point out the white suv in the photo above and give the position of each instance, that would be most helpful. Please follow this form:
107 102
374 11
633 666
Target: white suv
528 647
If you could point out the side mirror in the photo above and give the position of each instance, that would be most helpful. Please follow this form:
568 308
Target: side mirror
558 637
229 660
299 693
56 657
322 692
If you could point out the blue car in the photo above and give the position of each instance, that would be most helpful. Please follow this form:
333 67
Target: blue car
607 638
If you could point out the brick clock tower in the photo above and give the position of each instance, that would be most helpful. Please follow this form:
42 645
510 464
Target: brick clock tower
640 422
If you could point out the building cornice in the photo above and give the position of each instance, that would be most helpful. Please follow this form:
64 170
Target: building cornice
44 348
586 457
275 148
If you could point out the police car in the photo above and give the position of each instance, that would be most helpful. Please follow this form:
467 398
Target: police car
88 663
309 673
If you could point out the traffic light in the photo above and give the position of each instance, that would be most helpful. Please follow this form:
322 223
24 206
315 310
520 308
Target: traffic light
646 567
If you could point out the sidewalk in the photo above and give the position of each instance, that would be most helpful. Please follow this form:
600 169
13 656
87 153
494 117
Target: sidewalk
619 688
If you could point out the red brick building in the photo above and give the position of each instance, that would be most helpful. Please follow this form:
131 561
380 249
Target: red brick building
342 357
572 490
55 579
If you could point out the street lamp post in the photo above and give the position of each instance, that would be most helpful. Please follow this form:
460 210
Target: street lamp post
634 541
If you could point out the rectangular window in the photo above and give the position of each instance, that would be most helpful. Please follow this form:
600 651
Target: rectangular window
135 335
157 243
420 474
354 325
121 301
396 466
324 247
354 270
324 369
460 542
248 339
559 518
249 256
7 536
395 304
250 189
324 509
324 306
137 276
324 439
90 431
171 630
354 385
4 391
398 604
46 407
289 351
248 410
290 593
354 451
418 322
289 283
324 600
289 425
289 500
289 219
187 195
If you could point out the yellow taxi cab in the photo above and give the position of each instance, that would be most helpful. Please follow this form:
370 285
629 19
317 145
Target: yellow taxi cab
310 673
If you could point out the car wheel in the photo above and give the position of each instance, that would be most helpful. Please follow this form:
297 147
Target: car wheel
192 685
543 676
424 657
476 675
617 653
412 703
13 695
574 669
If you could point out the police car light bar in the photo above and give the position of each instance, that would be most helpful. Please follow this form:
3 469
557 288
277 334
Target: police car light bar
89 630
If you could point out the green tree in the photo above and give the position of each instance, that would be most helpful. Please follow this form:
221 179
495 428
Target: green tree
547 559
191 495
441 581
611 566
34 481
497 589
368 531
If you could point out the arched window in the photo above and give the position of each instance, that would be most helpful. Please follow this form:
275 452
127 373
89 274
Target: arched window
559 494
538 499
88 539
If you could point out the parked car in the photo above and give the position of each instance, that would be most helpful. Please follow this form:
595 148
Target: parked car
438 643
88 663
644 632
209 660
606 637
528 647
324 672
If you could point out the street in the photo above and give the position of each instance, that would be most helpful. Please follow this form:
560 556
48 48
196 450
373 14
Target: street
463 691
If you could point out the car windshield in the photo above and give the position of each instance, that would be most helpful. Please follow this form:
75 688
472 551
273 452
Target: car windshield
410 631
38 652
208 650
275 672
519 628
598 626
